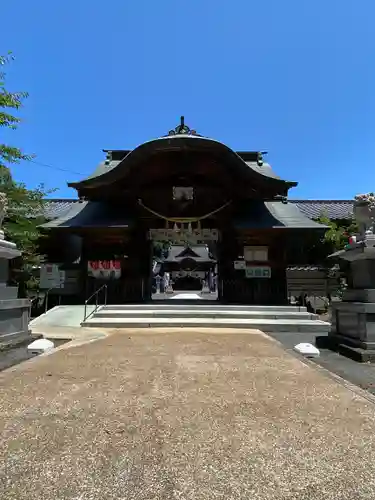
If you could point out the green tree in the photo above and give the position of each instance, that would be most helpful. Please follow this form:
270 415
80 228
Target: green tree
25 206
336 237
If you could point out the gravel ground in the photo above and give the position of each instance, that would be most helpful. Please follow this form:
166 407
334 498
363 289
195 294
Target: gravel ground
182 415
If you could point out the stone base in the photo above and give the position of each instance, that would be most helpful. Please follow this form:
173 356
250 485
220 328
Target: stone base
8 292
14 339
366 295
14 321
355 353
353 327
355 320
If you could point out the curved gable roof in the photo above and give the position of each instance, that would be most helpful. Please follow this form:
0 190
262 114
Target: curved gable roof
109 172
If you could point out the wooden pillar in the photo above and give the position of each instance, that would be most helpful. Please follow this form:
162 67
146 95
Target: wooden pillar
227 253
137 281
84 288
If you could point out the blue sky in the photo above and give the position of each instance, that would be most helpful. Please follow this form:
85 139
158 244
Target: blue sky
295 78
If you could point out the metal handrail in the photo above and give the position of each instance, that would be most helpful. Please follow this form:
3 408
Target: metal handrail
47 295
31 306
96 295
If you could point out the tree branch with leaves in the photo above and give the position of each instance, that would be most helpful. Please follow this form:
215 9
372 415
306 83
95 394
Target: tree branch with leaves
24 211
338 232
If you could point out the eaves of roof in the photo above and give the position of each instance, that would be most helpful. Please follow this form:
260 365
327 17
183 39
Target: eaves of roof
313 209
109 172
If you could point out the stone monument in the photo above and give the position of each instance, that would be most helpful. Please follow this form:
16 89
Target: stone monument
14 312
353 318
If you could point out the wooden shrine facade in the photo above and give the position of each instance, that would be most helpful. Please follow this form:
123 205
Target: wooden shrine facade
185 189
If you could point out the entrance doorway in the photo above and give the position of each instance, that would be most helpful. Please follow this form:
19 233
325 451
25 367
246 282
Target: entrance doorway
185 265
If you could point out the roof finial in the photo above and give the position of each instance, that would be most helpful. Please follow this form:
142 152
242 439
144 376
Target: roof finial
182 128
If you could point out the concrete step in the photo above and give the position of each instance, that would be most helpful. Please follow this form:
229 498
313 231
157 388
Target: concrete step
201 306
266 325
212 313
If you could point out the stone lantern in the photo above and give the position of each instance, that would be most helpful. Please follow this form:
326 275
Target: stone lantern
364 213
14 312
353 324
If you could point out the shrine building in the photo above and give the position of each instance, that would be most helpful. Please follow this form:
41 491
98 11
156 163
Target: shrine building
180 189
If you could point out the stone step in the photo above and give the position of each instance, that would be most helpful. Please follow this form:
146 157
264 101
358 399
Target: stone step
201 306
212 313
266 325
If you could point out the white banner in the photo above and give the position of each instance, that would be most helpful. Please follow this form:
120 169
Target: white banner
104 269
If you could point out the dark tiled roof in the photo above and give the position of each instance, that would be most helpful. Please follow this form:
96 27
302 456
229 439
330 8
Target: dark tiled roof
313 209
264 169
88 214
273 214
306 267
333 209
104 167
199 253
55 208
176 141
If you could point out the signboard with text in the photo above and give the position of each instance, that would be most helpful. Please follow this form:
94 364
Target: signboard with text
51 276
258 272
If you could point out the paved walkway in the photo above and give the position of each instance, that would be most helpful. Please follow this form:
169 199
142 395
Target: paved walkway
182 415
69 316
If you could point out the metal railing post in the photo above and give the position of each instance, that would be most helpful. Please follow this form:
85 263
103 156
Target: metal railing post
47 296
31 306
97 301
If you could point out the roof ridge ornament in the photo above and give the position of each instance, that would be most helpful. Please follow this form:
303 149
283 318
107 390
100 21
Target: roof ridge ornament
260 159
183 129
